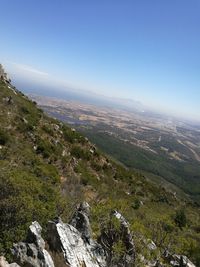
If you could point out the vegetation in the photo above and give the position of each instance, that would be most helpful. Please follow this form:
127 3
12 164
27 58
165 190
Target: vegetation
47 167
184 175
180 218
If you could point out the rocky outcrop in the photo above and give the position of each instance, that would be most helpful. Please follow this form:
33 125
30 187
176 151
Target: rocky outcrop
177 260
4 263
4 75
71 245
180 261
75 241
80 221
79 249
32 253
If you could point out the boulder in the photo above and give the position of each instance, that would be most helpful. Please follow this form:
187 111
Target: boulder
78 249
32 253
4 76
180 261
80 220
177 260
151 245
4 263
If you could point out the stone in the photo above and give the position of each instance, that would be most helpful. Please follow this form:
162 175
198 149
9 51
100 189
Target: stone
4 263
32 253
77 251
74 244
80 220
56 127
3 75
175 260
151 245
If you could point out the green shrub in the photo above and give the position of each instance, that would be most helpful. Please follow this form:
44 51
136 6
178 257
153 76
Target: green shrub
23 199
97 167
48 130
3 137
136 204
24 110
44 148
180 218
47 172
80 153
72 136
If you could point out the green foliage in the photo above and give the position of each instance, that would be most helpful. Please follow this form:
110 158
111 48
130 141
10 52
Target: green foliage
72 136
23 199
80 153
47 172
25 110
136 204
3 137
183 174
118 250
180 218
193 252
48 130
87 178
39 181
44 148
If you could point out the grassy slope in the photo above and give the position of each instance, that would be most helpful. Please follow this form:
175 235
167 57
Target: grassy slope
46 168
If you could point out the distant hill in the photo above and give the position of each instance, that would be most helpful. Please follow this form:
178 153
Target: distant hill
66 92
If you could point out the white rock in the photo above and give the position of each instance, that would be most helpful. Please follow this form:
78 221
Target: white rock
76 252
151 245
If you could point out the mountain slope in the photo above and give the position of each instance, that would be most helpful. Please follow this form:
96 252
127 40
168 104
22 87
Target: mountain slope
164 146
47 167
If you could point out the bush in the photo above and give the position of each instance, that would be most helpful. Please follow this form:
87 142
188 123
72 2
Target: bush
72 136
80 153
136 204
3 138
23 199
47 172
180 218
25 110
48 130
44 148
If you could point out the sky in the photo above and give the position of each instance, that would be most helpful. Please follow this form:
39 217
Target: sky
144 50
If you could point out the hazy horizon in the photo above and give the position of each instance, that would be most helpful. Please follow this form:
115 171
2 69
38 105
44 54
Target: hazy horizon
148 52
62 90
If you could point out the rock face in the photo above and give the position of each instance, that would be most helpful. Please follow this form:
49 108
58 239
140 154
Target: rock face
79 249
32 253
180 260
80 221
72 242
177 260
3 75
4 263
75 241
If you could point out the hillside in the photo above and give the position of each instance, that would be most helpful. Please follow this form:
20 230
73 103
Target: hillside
164 146
48 167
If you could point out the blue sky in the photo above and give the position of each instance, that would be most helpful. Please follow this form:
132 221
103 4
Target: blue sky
140 49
